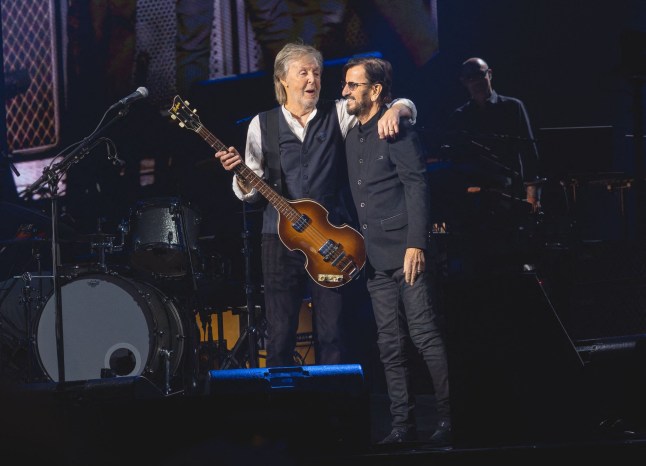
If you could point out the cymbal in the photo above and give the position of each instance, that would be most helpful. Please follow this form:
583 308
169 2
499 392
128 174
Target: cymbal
23 213
15 215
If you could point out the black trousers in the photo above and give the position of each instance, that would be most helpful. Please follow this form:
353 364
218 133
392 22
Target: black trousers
405 312
286 284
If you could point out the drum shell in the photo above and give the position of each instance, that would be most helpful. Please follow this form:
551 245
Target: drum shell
156 238
112 326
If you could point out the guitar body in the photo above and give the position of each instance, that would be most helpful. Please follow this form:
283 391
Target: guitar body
350 240
334 254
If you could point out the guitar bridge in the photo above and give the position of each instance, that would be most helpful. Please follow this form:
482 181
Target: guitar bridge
329 252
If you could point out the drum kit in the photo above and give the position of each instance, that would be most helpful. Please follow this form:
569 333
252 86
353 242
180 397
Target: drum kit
133 319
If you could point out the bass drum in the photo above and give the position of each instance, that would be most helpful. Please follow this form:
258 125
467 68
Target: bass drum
112 327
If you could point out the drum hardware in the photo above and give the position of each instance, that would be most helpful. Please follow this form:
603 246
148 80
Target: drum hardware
103 243
26 300
21 298
214 352
100 244
242 354
249 338
30 300
166 356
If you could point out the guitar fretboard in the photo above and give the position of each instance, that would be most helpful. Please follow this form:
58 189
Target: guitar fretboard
252 179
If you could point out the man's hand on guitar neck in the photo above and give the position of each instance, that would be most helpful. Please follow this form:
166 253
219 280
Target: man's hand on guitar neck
229 159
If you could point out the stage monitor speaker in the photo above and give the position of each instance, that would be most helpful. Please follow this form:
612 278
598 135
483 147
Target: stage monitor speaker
616 377
514 372
314 410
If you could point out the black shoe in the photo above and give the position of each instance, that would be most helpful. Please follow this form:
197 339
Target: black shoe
398 435
442 436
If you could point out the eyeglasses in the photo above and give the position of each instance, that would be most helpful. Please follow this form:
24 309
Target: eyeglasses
352 86
476 74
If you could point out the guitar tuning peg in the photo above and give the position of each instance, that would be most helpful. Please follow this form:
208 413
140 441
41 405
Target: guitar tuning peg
187 103
181 125
173 117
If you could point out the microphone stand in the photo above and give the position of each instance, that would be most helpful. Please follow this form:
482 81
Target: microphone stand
52 175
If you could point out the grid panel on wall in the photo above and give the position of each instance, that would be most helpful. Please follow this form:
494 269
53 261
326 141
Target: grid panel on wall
29 45
156 33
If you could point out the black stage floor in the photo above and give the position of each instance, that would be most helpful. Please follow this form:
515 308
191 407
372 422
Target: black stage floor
127 421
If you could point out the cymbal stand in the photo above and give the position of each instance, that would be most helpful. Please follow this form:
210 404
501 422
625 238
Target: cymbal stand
51 176
26 300
215 351
248 338
180 214
100 246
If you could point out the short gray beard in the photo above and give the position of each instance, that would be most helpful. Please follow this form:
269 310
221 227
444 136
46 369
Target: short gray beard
358 109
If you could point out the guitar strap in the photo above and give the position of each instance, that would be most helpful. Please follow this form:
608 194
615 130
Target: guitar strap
271 147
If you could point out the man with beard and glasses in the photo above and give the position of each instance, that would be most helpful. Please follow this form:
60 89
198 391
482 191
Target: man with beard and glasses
389 187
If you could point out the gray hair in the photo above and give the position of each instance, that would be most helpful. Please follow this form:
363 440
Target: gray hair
289 53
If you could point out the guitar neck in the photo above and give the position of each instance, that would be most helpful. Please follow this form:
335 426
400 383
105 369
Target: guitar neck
252 179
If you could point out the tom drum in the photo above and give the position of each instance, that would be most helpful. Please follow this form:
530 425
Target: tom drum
162 232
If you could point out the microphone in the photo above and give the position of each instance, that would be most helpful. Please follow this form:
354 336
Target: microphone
140 93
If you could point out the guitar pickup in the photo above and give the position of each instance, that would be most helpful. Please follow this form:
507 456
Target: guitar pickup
328 250
300 224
